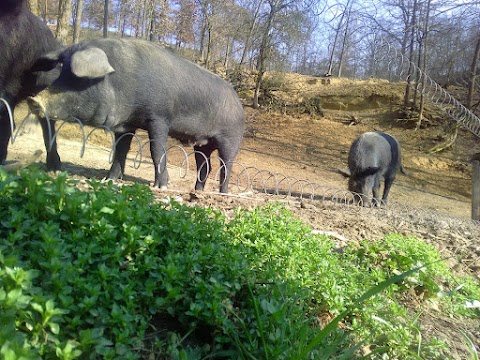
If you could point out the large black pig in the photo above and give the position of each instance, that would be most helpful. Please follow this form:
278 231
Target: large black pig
373 156
23 38
130 84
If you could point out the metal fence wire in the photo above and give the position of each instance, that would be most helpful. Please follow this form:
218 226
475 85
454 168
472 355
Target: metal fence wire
251 179
403 68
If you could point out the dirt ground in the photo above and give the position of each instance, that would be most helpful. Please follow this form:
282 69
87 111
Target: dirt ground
295 159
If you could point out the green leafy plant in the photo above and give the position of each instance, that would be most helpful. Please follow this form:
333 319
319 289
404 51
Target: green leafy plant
93 270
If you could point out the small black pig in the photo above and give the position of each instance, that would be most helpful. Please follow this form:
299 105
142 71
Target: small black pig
127 85
373 156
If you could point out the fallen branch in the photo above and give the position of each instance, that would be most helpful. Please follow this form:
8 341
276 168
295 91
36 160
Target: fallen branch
22 163
451 137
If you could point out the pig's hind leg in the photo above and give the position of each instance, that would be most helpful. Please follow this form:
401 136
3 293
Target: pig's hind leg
228 148
388 185
202 159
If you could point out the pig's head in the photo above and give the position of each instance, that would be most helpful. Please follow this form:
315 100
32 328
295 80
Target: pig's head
360 187
76 81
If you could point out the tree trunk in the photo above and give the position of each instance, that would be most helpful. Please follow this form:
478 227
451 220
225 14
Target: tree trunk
410 58
335 41
451 132
424 65
227 53
78 21
418 74
205 31
344 43
476 189
246 49
262 56
473 75
144 30
45 11
63 23
123 17
151 25
105 19
334 47
209 47
163 18
33 6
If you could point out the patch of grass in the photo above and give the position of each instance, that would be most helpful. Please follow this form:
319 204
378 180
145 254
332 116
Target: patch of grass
286 252
112 259
108 272
436 283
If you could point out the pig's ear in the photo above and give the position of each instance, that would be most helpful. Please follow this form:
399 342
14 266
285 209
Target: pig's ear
90 63
48 61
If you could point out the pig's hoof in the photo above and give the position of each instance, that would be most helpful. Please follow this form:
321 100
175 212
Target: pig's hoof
158 186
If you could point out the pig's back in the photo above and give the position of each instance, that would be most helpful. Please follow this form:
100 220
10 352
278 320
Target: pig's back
369 151
151 75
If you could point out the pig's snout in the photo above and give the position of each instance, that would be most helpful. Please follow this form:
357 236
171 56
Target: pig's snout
37 105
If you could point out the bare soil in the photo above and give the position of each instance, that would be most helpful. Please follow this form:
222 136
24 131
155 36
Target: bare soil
294 158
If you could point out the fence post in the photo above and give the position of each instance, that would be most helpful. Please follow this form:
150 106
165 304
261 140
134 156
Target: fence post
476 188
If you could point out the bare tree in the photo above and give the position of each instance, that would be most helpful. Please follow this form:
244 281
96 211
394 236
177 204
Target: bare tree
243 31
77 20
276 7
93 13
63 24
207 11
105 19
423 61
43 9
217 30
165 24
122 17
473 74
228 24
413 25
251 30
185 22
345 39
135 17
338 29
33 6
149 34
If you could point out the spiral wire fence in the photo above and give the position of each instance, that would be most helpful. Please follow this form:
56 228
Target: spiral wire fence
251 181
248 180
398 64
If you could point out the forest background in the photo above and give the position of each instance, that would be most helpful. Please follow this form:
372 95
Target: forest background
314 37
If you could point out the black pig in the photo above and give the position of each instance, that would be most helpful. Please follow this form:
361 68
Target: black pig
373 155
23 38
130 84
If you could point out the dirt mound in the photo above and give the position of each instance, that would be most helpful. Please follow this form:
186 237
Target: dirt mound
334 93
